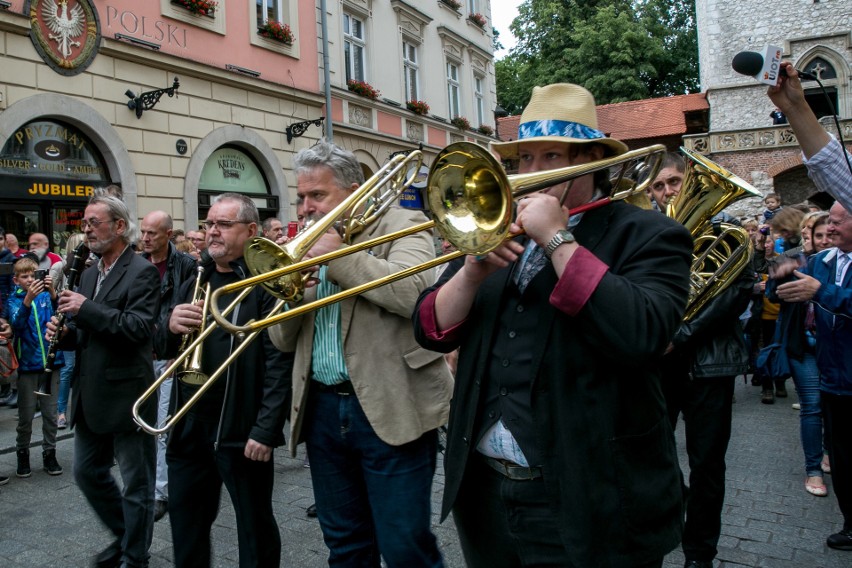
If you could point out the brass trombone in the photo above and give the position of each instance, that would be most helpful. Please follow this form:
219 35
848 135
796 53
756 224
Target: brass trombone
471 200
369 206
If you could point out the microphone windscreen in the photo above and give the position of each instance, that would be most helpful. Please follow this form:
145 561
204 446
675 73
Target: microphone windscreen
747 63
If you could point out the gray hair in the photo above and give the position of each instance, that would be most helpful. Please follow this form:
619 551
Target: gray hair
342 163
117 210
247 212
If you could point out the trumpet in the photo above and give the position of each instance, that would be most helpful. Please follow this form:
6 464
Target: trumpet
191 373
471 200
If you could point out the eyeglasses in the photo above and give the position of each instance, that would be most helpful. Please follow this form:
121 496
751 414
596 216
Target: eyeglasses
93 223
222 225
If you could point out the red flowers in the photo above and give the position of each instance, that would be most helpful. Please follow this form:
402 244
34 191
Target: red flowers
363 88
200 7
274 29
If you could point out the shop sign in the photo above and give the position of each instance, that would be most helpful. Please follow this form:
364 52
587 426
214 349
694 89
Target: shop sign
46 148
229 169
15 187
412 196
65 33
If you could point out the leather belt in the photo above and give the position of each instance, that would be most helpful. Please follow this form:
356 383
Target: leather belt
512 470
343 389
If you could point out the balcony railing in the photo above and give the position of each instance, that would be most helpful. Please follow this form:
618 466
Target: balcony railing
768 138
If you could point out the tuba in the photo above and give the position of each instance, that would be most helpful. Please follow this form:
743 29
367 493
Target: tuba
721 251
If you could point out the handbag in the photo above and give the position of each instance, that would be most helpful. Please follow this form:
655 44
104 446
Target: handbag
772 362
8 359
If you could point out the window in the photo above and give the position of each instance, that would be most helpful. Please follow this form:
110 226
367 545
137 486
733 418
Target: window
480 100
354 47
453 89
473 6
410 70
270 10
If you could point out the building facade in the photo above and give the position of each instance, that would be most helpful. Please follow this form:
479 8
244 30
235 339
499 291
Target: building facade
176 104
815 36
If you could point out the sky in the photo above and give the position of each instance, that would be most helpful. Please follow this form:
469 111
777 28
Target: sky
502 14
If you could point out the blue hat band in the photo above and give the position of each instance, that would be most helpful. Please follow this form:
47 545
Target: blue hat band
563 128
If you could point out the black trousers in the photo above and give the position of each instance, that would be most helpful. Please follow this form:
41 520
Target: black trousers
196 475
503 523
706 407
837 412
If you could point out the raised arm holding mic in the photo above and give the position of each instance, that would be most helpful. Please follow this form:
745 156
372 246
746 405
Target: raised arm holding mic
827 160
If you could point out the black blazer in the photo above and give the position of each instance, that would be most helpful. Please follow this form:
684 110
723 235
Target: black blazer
596 400
112 336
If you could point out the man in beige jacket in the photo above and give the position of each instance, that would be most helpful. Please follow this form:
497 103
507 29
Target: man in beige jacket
367 400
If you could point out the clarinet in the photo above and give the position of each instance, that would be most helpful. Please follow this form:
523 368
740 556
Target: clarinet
81 254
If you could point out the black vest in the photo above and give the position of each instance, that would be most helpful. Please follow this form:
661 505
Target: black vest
508 379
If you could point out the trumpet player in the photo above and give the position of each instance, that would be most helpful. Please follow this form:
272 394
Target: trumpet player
367 400
111 323
228 436
559 451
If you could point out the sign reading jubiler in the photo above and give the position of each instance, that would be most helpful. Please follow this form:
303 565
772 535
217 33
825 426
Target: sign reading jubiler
65 33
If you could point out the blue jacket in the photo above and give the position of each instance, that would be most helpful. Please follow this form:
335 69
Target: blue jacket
833 311
30 346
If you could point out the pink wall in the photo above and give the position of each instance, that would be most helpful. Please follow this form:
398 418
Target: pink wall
144 21
437 137
336 110
389 124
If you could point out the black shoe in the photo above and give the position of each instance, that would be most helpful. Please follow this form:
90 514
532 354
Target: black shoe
51 466
698 564
5 391
109 557
12 400
4 479
161 507
767 397
841 540
24 463
312 511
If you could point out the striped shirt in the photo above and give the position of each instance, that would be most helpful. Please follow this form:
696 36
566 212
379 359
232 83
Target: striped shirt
327 363
830 172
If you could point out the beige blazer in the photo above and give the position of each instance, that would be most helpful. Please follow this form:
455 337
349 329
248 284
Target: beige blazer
404 389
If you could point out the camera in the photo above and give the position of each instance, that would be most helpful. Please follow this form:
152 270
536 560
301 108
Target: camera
40 274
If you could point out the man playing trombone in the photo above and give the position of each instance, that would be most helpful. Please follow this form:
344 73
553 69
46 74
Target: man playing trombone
367 400
559 451
228 435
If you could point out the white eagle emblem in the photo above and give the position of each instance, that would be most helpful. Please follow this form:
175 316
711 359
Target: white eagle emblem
64 28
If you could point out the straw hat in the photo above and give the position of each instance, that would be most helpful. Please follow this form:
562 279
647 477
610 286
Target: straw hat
561 112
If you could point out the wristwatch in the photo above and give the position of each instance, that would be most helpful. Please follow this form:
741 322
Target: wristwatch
560 238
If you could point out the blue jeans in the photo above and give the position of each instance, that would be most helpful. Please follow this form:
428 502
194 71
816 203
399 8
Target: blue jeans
127 512
806 378
372 498
65 374
161 488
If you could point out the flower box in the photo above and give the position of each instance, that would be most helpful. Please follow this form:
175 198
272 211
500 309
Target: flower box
198 7
461 123
418 107
277 31
478 19
363 88
485 129
454 4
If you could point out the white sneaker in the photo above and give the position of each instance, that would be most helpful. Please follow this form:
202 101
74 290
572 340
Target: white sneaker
796 406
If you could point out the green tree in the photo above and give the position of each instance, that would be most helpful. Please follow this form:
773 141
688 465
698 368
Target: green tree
620 50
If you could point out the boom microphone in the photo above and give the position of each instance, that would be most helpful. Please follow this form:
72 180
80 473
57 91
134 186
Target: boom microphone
765 67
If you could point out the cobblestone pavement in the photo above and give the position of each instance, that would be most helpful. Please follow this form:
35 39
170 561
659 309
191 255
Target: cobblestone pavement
769 520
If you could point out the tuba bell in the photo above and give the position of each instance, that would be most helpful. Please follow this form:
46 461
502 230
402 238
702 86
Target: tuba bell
721 251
